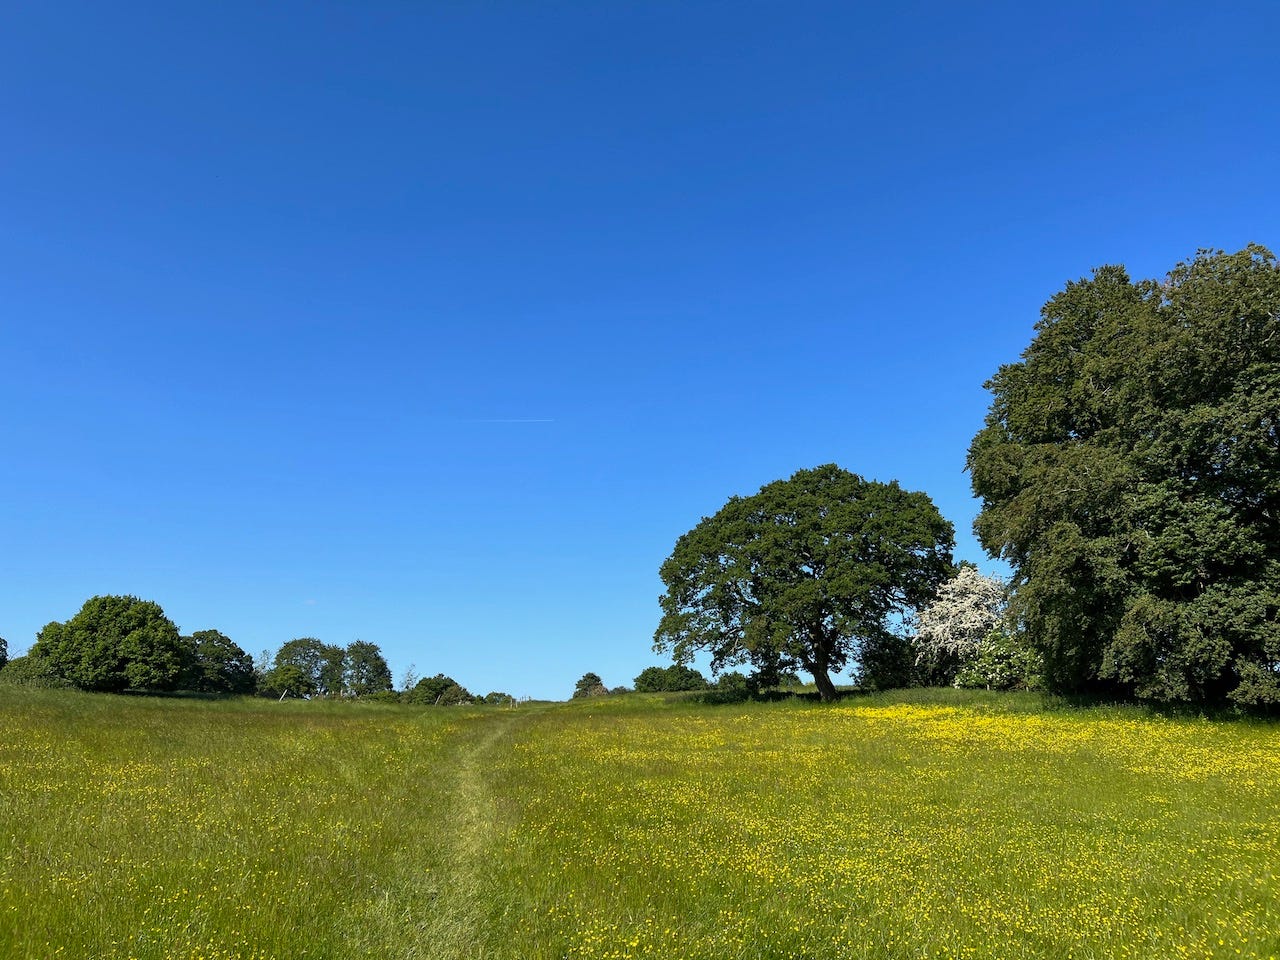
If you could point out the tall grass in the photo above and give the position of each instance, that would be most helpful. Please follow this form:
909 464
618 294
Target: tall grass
970 826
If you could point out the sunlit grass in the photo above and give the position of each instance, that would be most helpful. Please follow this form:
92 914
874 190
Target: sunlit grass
947 826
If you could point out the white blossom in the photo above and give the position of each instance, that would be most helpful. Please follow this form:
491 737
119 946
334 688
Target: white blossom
966 609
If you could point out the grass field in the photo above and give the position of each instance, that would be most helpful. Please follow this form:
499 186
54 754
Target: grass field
935 826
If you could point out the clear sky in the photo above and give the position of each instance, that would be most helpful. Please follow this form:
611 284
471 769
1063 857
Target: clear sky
435 324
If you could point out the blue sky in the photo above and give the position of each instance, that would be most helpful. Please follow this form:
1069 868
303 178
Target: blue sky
436 324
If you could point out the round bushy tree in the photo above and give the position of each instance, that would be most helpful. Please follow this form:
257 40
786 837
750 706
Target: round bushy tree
440 690
589 685
803 574
675 678
115 643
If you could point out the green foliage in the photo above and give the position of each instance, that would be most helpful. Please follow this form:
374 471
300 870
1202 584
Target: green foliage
802 574
1003 661
497 698
1130 473
287 679
589 685
675 678
216 664
30 671
114 644
651 680
455 695
439 690
887 662
332 676
733 683
367 670
321 668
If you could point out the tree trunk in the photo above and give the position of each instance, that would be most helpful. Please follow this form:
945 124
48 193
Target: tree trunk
826 689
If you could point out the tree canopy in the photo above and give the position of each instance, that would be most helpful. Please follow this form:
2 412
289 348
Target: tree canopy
675 678
308 667
440 690
802 573
366 669
217 664
589 685
113 644
1129 473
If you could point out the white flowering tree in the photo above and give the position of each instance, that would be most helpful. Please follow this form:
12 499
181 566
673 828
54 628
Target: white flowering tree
950 630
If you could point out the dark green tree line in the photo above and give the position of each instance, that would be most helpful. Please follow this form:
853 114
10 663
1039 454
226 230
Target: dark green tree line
307 667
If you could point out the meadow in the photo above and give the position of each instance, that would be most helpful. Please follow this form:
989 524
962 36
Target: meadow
910 826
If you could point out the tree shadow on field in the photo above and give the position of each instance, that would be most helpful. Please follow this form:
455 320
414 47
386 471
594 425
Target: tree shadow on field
721 697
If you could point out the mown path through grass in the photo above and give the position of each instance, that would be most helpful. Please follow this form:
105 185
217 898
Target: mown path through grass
473 831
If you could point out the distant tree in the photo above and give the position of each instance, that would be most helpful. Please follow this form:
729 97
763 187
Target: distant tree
322 666
297 667
733 682
4 652
409 679
216 664
803 573
1129 472
287 679
590 685
651 680
262 665
454 695
331 682
439 690
498 697
367 670
115 643
677 677
950 628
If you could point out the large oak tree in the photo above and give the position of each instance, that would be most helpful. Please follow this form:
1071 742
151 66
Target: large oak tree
802 573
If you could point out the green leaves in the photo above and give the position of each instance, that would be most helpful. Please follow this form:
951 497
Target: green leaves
1130 472
113 644
802 572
